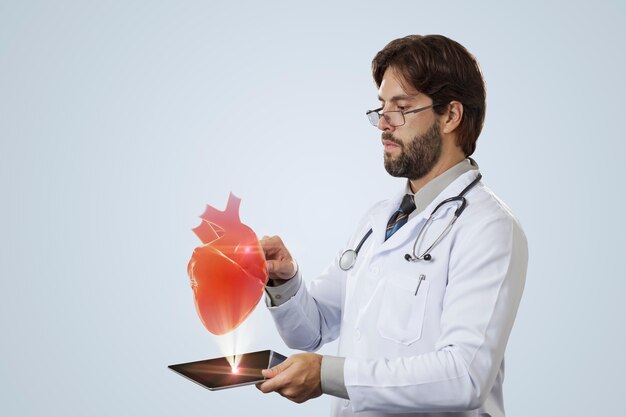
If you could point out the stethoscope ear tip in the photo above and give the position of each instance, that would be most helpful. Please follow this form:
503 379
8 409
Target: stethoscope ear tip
407 257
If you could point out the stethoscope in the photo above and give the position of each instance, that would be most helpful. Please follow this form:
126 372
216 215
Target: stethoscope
348 257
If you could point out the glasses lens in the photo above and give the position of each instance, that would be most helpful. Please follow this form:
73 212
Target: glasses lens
373 117
394 118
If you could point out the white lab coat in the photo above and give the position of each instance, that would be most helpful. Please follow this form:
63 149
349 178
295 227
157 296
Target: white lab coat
439 352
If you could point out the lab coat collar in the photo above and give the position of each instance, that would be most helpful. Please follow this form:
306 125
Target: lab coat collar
433 188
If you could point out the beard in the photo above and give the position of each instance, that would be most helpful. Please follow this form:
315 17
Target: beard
418 157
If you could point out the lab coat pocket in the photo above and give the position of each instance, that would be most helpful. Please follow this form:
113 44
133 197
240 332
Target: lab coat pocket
402 309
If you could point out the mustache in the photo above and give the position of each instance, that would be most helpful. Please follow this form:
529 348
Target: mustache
388 136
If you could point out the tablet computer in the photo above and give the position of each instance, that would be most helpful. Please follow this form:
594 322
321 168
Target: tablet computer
217 373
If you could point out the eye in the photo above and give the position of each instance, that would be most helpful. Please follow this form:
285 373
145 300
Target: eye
401 108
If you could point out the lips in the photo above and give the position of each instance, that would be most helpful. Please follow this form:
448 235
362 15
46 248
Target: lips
390 145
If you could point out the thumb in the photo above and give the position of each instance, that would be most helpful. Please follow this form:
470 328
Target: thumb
272 372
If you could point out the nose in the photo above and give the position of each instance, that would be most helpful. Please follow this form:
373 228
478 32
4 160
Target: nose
384 125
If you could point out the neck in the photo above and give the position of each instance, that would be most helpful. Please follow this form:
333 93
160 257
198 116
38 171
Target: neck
445 163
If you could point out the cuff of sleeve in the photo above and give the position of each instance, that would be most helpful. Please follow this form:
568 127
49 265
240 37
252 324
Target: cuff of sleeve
332 377
282 293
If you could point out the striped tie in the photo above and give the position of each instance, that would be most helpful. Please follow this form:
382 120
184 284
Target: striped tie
401 216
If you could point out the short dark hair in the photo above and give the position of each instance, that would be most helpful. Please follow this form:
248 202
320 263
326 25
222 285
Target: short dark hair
443 70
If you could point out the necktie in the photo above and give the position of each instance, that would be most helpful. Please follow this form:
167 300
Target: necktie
401 216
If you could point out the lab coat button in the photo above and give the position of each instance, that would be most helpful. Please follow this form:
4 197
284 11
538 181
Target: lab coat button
357 334
374 270
346 404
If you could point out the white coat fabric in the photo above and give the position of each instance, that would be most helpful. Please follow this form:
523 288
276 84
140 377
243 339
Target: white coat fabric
437 352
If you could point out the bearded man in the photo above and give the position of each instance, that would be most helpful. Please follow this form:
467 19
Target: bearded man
424 298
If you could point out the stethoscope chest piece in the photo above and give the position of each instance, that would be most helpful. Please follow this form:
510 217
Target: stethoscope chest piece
348 259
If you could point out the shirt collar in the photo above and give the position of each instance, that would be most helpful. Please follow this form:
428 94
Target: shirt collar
434 187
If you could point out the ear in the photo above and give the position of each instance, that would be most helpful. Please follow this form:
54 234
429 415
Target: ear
452 118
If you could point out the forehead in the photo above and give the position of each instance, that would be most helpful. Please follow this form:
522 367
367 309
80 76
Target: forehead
394 87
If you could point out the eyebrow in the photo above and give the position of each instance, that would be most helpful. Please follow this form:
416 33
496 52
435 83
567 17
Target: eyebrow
398 97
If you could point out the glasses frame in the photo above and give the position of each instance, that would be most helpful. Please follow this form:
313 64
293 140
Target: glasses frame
387 119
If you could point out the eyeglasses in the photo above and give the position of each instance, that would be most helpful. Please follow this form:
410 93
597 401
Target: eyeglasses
394 118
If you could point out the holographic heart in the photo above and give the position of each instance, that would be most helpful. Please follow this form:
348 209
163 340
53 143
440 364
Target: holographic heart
228 272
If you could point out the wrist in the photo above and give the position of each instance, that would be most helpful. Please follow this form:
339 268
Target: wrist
280 293
277 282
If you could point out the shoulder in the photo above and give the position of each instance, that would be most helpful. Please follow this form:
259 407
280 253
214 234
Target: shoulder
487 214
489 239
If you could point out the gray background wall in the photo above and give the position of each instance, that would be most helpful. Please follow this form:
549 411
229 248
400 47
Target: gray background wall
120 120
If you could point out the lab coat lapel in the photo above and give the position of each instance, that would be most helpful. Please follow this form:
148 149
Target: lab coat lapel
380 217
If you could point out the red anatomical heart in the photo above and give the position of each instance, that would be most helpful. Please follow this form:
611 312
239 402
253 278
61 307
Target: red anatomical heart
228 273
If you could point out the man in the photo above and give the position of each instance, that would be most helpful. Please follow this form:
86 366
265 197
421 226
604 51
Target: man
423 305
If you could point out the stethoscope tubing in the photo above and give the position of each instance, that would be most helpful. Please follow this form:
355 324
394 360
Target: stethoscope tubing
349 256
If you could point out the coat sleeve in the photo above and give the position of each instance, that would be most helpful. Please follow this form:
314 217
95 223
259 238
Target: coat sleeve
485 282
312 317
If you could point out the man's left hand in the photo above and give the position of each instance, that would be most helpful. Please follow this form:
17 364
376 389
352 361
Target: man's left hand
298 378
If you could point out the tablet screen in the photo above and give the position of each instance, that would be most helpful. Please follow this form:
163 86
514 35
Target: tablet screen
217 373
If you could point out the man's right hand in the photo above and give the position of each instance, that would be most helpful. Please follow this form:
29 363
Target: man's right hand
280 263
